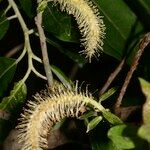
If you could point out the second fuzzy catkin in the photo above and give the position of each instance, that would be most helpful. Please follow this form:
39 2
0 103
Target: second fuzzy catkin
90 24
44 112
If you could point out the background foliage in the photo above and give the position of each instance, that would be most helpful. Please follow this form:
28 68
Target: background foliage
126 22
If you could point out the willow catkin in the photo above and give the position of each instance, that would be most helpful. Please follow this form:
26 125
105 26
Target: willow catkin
45 111
90 24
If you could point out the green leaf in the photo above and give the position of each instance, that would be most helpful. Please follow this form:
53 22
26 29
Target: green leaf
122 136
120 23
7 70
144 132
107 94
27 7
59 24
111 118
4 24
16 98
93 123
61 76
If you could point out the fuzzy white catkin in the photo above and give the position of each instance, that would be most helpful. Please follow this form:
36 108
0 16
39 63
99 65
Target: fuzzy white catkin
90 24
48 108
44 112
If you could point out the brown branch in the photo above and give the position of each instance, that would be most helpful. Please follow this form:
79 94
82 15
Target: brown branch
38 21
144 42
112 76
14 50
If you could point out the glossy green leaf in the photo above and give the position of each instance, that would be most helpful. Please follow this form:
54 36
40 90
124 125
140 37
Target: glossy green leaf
59 24
27 7
61 76
111 118
121 23
7 70
122 136
144 132
107 94
16 98
4 24
93 123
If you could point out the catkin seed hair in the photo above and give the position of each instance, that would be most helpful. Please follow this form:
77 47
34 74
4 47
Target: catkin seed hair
44 112
90 24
